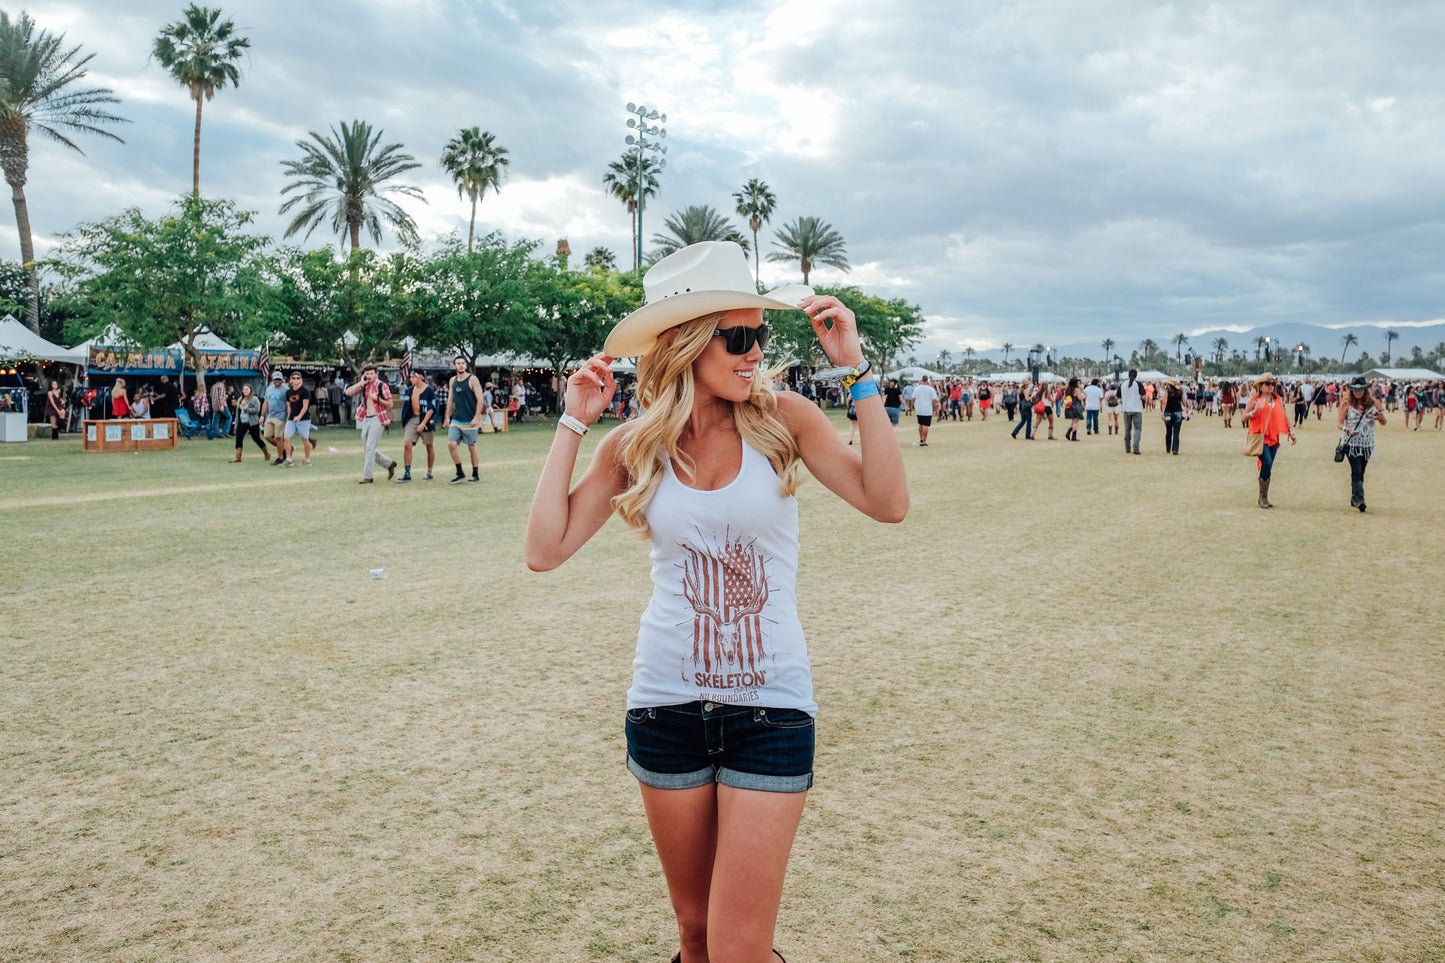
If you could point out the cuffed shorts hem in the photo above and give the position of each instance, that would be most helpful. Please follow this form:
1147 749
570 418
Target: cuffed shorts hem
721 775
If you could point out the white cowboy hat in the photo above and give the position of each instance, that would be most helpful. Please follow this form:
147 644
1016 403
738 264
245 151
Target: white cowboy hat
697 280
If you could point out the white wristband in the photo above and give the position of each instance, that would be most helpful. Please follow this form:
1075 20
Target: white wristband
567 421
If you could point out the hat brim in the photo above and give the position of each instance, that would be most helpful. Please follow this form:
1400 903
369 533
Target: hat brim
636 334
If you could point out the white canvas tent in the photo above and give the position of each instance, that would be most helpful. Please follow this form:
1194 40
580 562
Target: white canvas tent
1402 374
17 342
913 373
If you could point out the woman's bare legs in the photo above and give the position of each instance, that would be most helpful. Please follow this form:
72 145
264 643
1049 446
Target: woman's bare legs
724 853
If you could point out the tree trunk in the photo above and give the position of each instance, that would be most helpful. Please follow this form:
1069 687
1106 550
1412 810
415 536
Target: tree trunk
355 227
196 152
471 232
27 259
807 269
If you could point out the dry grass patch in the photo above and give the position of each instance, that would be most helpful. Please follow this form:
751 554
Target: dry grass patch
1079 706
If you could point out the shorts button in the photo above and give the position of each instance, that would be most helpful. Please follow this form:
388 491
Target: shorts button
707 707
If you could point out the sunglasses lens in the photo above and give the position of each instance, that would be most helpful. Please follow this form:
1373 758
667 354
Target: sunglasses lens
739 340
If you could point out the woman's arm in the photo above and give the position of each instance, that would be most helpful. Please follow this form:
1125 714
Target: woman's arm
561 521
872 480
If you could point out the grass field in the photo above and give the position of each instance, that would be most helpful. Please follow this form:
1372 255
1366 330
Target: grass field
1078 706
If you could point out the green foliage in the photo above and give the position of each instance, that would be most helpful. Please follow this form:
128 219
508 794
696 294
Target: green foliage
474 162
693 225
201 51
575 310
479 299
340 181
885 327
810 241
192 270
355 307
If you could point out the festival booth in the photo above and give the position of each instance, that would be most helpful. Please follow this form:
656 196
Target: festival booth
18 346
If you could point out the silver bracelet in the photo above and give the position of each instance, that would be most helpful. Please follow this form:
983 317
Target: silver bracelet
567 421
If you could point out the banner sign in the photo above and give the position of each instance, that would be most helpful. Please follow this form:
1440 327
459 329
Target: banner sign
125 361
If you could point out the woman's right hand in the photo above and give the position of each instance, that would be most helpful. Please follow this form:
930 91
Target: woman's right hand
590 389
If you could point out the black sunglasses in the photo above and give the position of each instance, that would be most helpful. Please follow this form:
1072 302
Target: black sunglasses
740 340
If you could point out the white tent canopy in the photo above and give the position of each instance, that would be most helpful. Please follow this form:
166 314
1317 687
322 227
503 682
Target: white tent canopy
1402 374
913 373
17 342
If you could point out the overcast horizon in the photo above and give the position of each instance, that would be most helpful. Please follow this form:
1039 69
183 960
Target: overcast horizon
1023 173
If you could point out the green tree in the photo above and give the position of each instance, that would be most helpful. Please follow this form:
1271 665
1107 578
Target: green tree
474 161
1390 338
339 181
810 241
1008 347
481 301
692 225
356 307
1349 341
1180 340
600 259
575 310
1149 352
1108 346
886 327
203 54
626 180
38 93
756 202
193 270
1221 345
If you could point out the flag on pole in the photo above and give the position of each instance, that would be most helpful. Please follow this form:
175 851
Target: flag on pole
406 366
264 363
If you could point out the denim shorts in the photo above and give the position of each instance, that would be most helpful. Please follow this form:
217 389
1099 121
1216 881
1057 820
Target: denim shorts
697 743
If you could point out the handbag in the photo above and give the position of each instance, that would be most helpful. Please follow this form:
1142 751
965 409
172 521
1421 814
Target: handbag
1041 407
1345 437
1254 443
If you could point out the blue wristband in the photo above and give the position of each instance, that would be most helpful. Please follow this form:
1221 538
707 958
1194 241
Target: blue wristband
863 389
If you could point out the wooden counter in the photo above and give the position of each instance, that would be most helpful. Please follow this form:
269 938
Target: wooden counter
129 434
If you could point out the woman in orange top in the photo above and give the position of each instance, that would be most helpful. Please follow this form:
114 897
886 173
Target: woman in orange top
1265 415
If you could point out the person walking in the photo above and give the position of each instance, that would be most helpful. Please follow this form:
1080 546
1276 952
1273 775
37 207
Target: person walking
1265 416
723 749
1073 408
925 398
893 402
298 420
273 415
373 414
1357 419
1027 403
421 413
56 411
1131 402
1093 401
248 422
1173 415
1226 403
463 411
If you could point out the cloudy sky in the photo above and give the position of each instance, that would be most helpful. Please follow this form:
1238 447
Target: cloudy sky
1023 171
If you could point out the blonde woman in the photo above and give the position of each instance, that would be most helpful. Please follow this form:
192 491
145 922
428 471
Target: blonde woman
1264 414
720 712
119 403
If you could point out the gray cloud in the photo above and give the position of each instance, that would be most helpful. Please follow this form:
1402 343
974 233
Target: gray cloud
1023 171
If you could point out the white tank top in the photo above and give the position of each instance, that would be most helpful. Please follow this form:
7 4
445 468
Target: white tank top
722 625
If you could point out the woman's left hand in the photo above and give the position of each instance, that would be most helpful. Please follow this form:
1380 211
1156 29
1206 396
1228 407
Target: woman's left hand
840 342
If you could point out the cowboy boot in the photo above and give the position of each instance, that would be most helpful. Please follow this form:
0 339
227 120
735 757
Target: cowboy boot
1264 493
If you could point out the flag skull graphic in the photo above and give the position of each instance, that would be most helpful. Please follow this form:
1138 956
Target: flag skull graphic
727 587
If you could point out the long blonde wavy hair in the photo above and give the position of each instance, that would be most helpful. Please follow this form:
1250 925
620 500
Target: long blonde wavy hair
665 392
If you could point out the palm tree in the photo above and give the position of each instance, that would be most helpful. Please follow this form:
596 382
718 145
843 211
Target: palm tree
756 203
1008 347
340 179
474 162
1221 345
1260 343
1350 341
810 240
1148 349
202 52
968 354
1390 337
693 224
1108 345
600 259
624 178
37 74
1180 340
